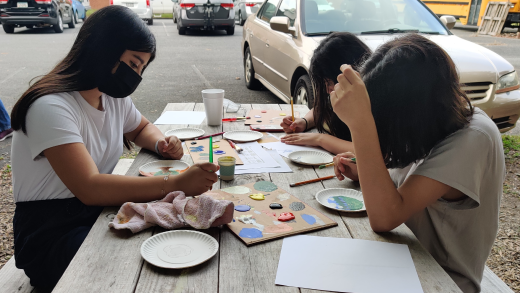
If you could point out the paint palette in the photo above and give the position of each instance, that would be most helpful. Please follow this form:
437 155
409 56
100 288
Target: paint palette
185 133
162 168
310 157
273 215
342 199
179 249
243 135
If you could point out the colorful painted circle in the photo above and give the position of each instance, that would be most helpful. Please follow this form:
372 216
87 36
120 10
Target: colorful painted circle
237 190
265 186
346 203
242 208
161 173
296 206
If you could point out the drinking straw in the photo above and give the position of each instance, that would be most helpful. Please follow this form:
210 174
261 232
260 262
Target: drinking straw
211 149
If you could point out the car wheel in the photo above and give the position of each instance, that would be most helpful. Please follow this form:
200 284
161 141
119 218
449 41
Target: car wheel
76 17
303 93
241 21
182 30
72 23
150 21
8 28
58 28
249 72
230 31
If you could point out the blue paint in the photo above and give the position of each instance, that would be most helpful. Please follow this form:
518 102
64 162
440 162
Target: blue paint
197 149
242 208
250 233
309 219
219 152
233 220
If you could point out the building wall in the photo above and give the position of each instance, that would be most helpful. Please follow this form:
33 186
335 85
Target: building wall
98 4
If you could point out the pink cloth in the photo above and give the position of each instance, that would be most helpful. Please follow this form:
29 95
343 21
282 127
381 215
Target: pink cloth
174 211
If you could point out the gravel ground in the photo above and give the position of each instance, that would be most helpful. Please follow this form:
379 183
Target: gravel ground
504 259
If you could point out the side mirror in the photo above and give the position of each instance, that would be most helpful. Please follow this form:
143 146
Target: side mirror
449 21
282 24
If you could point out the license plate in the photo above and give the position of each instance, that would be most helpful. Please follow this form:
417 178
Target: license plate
22 4
129 4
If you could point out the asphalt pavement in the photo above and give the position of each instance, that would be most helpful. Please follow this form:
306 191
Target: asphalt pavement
184 66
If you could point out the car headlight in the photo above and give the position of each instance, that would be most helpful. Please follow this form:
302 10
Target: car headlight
508 83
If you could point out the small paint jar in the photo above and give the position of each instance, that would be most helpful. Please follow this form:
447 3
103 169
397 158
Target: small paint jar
227 167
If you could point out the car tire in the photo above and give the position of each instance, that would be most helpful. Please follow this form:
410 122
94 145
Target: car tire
72 24
230 31
58 28
303 93
241 20
182 30
249 72
8 28
150 21
76 17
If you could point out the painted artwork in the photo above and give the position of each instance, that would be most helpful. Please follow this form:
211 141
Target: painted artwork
264 212
199 151
345 203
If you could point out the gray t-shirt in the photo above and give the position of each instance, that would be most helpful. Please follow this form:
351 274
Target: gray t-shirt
460 234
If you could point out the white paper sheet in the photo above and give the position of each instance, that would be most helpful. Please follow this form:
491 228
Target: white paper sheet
285 149
284 168
346 265
181 117
254 156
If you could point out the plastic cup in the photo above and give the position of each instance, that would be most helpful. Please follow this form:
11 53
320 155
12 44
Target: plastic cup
213 104
227 167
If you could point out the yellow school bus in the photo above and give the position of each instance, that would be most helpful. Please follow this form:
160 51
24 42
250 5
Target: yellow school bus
471 11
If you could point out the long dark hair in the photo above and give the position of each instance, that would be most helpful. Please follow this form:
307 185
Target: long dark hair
336 49
416 98
103 38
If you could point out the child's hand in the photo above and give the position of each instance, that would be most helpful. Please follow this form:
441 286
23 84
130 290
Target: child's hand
289 126
311 139
198 179
345 167
350 99
171 148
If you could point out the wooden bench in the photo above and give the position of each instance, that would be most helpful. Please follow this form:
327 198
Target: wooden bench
15 280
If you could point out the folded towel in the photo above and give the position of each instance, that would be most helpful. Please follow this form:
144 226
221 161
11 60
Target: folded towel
174 211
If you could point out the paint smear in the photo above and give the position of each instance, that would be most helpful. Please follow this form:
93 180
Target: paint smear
269 213
196 149
257 212
309 219
250 233
280 228
242 208
237 190
283 196
345 203
318 220
296 206
265 186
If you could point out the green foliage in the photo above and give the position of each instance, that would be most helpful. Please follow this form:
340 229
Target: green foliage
90 11
164 15
511 143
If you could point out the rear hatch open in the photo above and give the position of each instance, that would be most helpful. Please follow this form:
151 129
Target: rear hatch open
195 8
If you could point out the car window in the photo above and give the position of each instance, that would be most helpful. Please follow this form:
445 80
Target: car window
361 16
287 8
268 10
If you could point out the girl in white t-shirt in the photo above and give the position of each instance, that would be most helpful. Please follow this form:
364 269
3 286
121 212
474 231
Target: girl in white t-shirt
70 127
407 112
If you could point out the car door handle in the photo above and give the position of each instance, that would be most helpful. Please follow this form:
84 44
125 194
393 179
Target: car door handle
267 44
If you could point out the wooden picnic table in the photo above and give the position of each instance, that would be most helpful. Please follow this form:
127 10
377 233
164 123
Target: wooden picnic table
110 260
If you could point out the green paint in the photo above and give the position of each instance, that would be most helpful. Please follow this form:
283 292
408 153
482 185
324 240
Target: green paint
346 203
161 173
237 190
265 186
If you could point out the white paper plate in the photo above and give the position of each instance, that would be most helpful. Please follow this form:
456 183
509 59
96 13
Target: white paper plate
311 157
243 135
185 133
150 169
179 249
340 198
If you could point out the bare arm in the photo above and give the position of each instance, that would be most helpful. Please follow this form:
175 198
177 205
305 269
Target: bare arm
75 167
328 142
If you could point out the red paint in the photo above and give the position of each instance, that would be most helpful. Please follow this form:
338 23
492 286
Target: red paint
284 217
264 111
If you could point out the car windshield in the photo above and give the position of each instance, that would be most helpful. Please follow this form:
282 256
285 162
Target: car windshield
321 17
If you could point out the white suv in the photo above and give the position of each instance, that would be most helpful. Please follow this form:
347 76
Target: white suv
141 7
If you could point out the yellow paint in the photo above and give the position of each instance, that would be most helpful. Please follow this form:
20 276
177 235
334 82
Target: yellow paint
216 146
257 196
282 114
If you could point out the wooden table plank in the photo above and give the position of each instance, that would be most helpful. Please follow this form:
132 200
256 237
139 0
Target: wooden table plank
201 278
108 259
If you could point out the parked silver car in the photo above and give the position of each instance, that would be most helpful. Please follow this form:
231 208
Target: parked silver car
204 15
244 8
141 7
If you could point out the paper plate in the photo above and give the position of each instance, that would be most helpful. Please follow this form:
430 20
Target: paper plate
179 249
310 157
159 168
342 199
185 133
243 135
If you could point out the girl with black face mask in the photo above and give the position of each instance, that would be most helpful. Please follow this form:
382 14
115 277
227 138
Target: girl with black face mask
70 128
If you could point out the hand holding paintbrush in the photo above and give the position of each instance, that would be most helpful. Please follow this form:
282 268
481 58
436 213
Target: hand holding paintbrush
345 165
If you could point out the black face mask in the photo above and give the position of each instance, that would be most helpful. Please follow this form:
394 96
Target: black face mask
122 83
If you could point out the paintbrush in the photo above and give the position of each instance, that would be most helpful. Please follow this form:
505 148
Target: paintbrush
311 181
332 164
211 149
233 145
